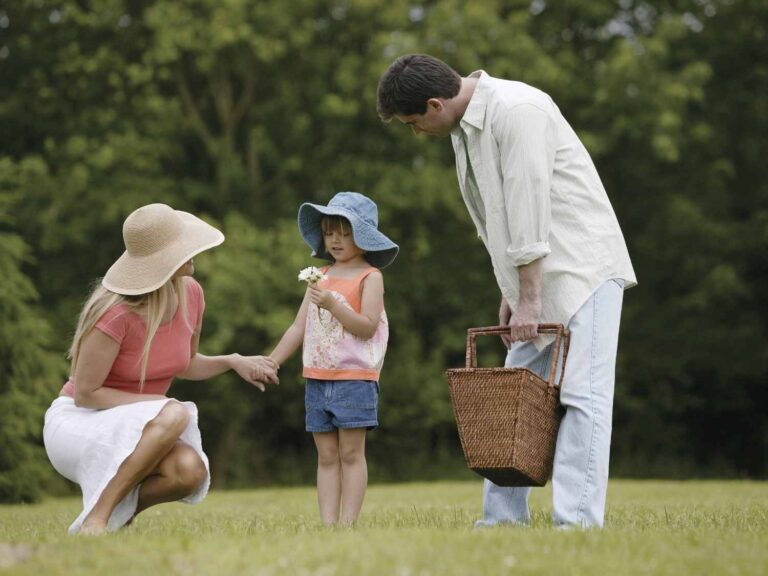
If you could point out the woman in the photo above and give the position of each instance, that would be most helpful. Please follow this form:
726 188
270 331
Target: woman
113 430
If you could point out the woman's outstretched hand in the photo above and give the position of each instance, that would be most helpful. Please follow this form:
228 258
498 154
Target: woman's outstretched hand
258 370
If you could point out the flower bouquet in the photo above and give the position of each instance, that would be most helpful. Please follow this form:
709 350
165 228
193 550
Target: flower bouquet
313 275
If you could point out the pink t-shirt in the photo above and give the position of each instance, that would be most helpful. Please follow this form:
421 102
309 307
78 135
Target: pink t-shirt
170 352
332 353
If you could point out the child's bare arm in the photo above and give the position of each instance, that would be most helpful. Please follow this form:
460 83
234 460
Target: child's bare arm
294 336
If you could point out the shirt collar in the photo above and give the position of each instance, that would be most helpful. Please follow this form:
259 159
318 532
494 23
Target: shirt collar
474 115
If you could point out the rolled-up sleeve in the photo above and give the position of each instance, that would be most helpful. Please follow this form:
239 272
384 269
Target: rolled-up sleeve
527 157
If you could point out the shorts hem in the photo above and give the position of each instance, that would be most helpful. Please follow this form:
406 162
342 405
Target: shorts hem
317 429
369 424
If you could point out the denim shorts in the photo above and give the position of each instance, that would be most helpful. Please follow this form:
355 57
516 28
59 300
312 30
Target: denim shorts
334 404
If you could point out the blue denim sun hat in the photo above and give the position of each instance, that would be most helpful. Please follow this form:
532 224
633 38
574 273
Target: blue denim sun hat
362 214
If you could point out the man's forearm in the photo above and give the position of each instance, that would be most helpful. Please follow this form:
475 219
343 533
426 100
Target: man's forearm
524 322
530 282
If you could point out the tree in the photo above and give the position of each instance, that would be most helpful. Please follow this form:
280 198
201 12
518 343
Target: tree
240 111
29 372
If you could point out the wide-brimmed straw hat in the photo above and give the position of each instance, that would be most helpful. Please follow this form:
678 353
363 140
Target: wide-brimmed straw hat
363 216
158 240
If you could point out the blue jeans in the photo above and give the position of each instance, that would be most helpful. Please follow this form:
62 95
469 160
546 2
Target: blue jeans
580 474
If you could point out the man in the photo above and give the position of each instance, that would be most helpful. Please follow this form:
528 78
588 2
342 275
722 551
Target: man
557 252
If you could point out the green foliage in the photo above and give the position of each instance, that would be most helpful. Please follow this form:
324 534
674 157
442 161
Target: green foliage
241 110
28 372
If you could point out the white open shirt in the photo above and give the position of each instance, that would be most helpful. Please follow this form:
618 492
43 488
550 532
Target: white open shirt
533 192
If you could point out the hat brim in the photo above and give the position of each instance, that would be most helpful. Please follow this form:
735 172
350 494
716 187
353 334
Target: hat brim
380 251
132 276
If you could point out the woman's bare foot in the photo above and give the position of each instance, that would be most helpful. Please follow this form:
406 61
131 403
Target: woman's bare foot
93 528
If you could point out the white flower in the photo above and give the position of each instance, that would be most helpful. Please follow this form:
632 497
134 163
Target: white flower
311 275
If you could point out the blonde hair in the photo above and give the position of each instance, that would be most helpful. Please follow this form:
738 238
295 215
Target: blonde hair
153 306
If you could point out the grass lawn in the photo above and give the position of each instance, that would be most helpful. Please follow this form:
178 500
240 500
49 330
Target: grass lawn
424 529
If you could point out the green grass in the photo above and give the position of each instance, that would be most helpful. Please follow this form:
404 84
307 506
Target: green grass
424 529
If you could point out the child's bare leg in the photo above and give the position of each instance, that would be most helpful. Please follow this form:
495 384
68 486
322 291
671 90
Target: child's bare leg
158 439
328 475
354 473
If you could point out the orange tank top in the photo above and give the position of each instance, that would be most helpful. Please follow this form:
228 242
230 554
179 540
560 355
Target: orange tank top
332 353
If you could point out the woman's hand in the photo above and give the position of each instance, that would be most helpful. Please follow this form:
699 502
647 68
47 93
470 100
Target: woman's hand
258 370
322 298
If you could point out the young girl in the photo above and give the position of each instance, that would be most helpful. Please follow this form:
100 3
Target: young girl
344 329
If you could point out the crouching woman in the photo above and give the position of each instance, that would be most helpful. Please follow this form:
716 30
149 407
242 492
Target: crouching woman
113 430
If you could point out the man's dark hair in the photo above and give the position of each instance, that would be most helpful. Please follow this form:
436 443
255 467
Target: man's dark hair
410 81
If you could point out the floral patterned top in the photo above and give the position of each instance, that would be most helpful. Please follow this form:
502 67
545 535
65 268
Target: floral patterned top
332 353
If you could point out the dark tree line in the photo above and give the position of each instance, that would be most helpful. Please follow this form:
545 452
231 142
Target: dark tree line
241 111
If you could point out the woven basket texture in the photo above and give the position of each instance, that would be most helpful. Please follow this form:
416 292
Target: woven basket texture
508 419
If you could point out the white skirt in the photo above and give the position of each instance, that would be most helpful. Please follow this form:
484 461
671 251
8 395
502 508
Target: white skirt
87 446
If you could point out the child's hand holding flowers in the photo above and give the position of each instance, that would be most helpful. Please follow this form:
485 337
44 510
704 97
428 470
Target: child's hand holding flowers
321 298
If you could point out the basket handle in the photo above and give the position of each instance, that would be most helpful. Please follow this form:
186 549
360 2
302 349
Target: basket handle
561 334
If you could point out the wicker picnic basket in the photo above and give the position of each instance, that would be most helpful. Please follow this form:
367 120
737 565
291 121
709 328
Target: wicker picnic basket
508 418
